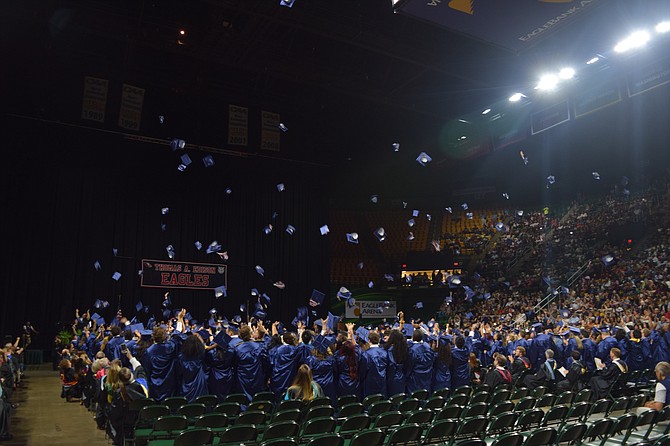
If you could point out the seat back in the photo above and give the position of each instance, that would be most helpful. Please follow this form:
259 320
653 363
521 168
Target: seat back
583 395
355 423
409 405
501 423
252 417
327 440
287 415
368 400
289 405
421 394
541 437
239 398
530 418
600 407
208 400
474 410
192 410
525 404
261 406
565 397
175 402
281 429
388 419
436 402
194 437
171 423
319 411
318 402
231 409
578 411
408 433
555 415
571 433
450 411
546 400
379 407
599 428
471 427
423 416
321 425
508 439
239 433
500 395
350 409
440 431
263 396
369 437
212 420
346 399
502 406
459 399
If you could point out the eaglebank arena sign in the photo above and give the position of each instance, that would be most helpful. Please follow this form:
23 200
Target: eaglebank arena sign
184 275
371 309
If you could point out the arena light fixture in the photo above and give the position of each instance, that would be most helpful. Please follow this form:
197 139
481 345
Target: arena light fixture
663 27
516 97
635 40
593 60
486 111
566 73
547 82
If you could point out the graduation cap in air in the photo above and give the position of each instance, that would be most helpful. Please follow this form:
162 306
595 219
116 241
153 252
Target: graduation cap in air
469 292
380 233
151 323
418 305
166 314
607 260
352 237
537 326
423 159
411 222
317 298
260 270
266 299
116 276
97 304
324 230
363 334
208 160
343 293
333 321
220 291
213 247
260 314
469 215
408 330
410 236
302 314
396 146
96 265
139 306
351 302
290 229
321 344
374 199
167 302
136 327
222 339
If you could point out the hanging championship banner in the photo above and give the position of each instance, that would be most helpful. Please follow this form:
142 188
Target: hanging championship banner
270 131
94 102
371 309
598 97
549 117
649 77
238 125
130 114
184 275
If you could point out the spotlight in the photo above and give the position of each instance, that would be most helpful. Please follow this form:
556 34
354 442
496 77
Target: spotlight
592 60
486 112
547 82
663 27
182 32
635 40
516 97
566 73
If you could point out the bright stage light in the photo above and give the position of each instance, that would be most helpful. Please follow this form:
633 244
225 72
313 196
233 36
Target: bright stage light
486 112
516 97
663 27
547 82
566 73
635 40
592 60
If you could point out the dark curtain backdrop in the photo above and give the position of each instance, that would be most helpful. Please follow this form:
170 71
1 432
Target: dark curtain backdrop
70 195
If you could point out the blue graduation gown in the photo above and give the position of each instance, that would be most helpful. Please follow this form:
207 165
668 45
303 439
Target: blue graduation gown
460 369
191 377
219 362
419 367
589 354
441 375
647 360
604 347
304 352
374 365
541 343
284 368
251 365
395 376
113 347
323 373
346 385
635 359
660 349
159 364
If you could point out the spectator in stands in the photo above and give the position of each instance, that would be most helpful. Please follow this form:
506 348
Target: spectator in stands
605 378
374 365
71 390
662 390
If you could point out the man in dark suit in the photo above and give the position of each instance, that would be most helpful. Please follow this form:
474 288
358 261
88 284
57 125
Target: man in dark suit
606 376
499 374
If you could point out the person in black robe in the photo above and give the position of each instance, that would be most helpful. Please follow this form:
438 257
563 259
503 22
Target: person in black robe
519 363
499 374
602 381
576 370
546 374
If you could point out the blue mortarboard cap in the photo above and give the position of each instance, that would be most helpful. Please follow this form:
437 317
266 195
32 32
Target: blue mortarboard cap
418 305
605 329
139 306
220 291
324 230
151 323
96 265
175 144
396 146
188 317
213 247
101 321
290 229
168 301
260 314
146 333
302 314
469 215
469 315
237 319
410 236
136 327
351 302
317 298
608 259
371 284
208 160
95 317
166 314
550 180
374 198
408 330
565 312
321 344
222 339
266 299
204 334
165 211
343 293
380 233
423 159
445 339
318 323
198 245
537 326
254 292
575 330
115 251
352 237
363 334
212 310
97 304
333 321
186 160
260 270
116 276
469 292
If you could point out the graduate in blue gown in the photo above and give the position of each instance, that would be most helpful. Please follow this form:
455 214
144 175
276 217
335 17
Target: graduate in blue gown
606 344
190 368
347 367
159 363
442 366
660 345
419 366
590 347
460 368
284 363
219 362
251 365
374 366
396 345
322 363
